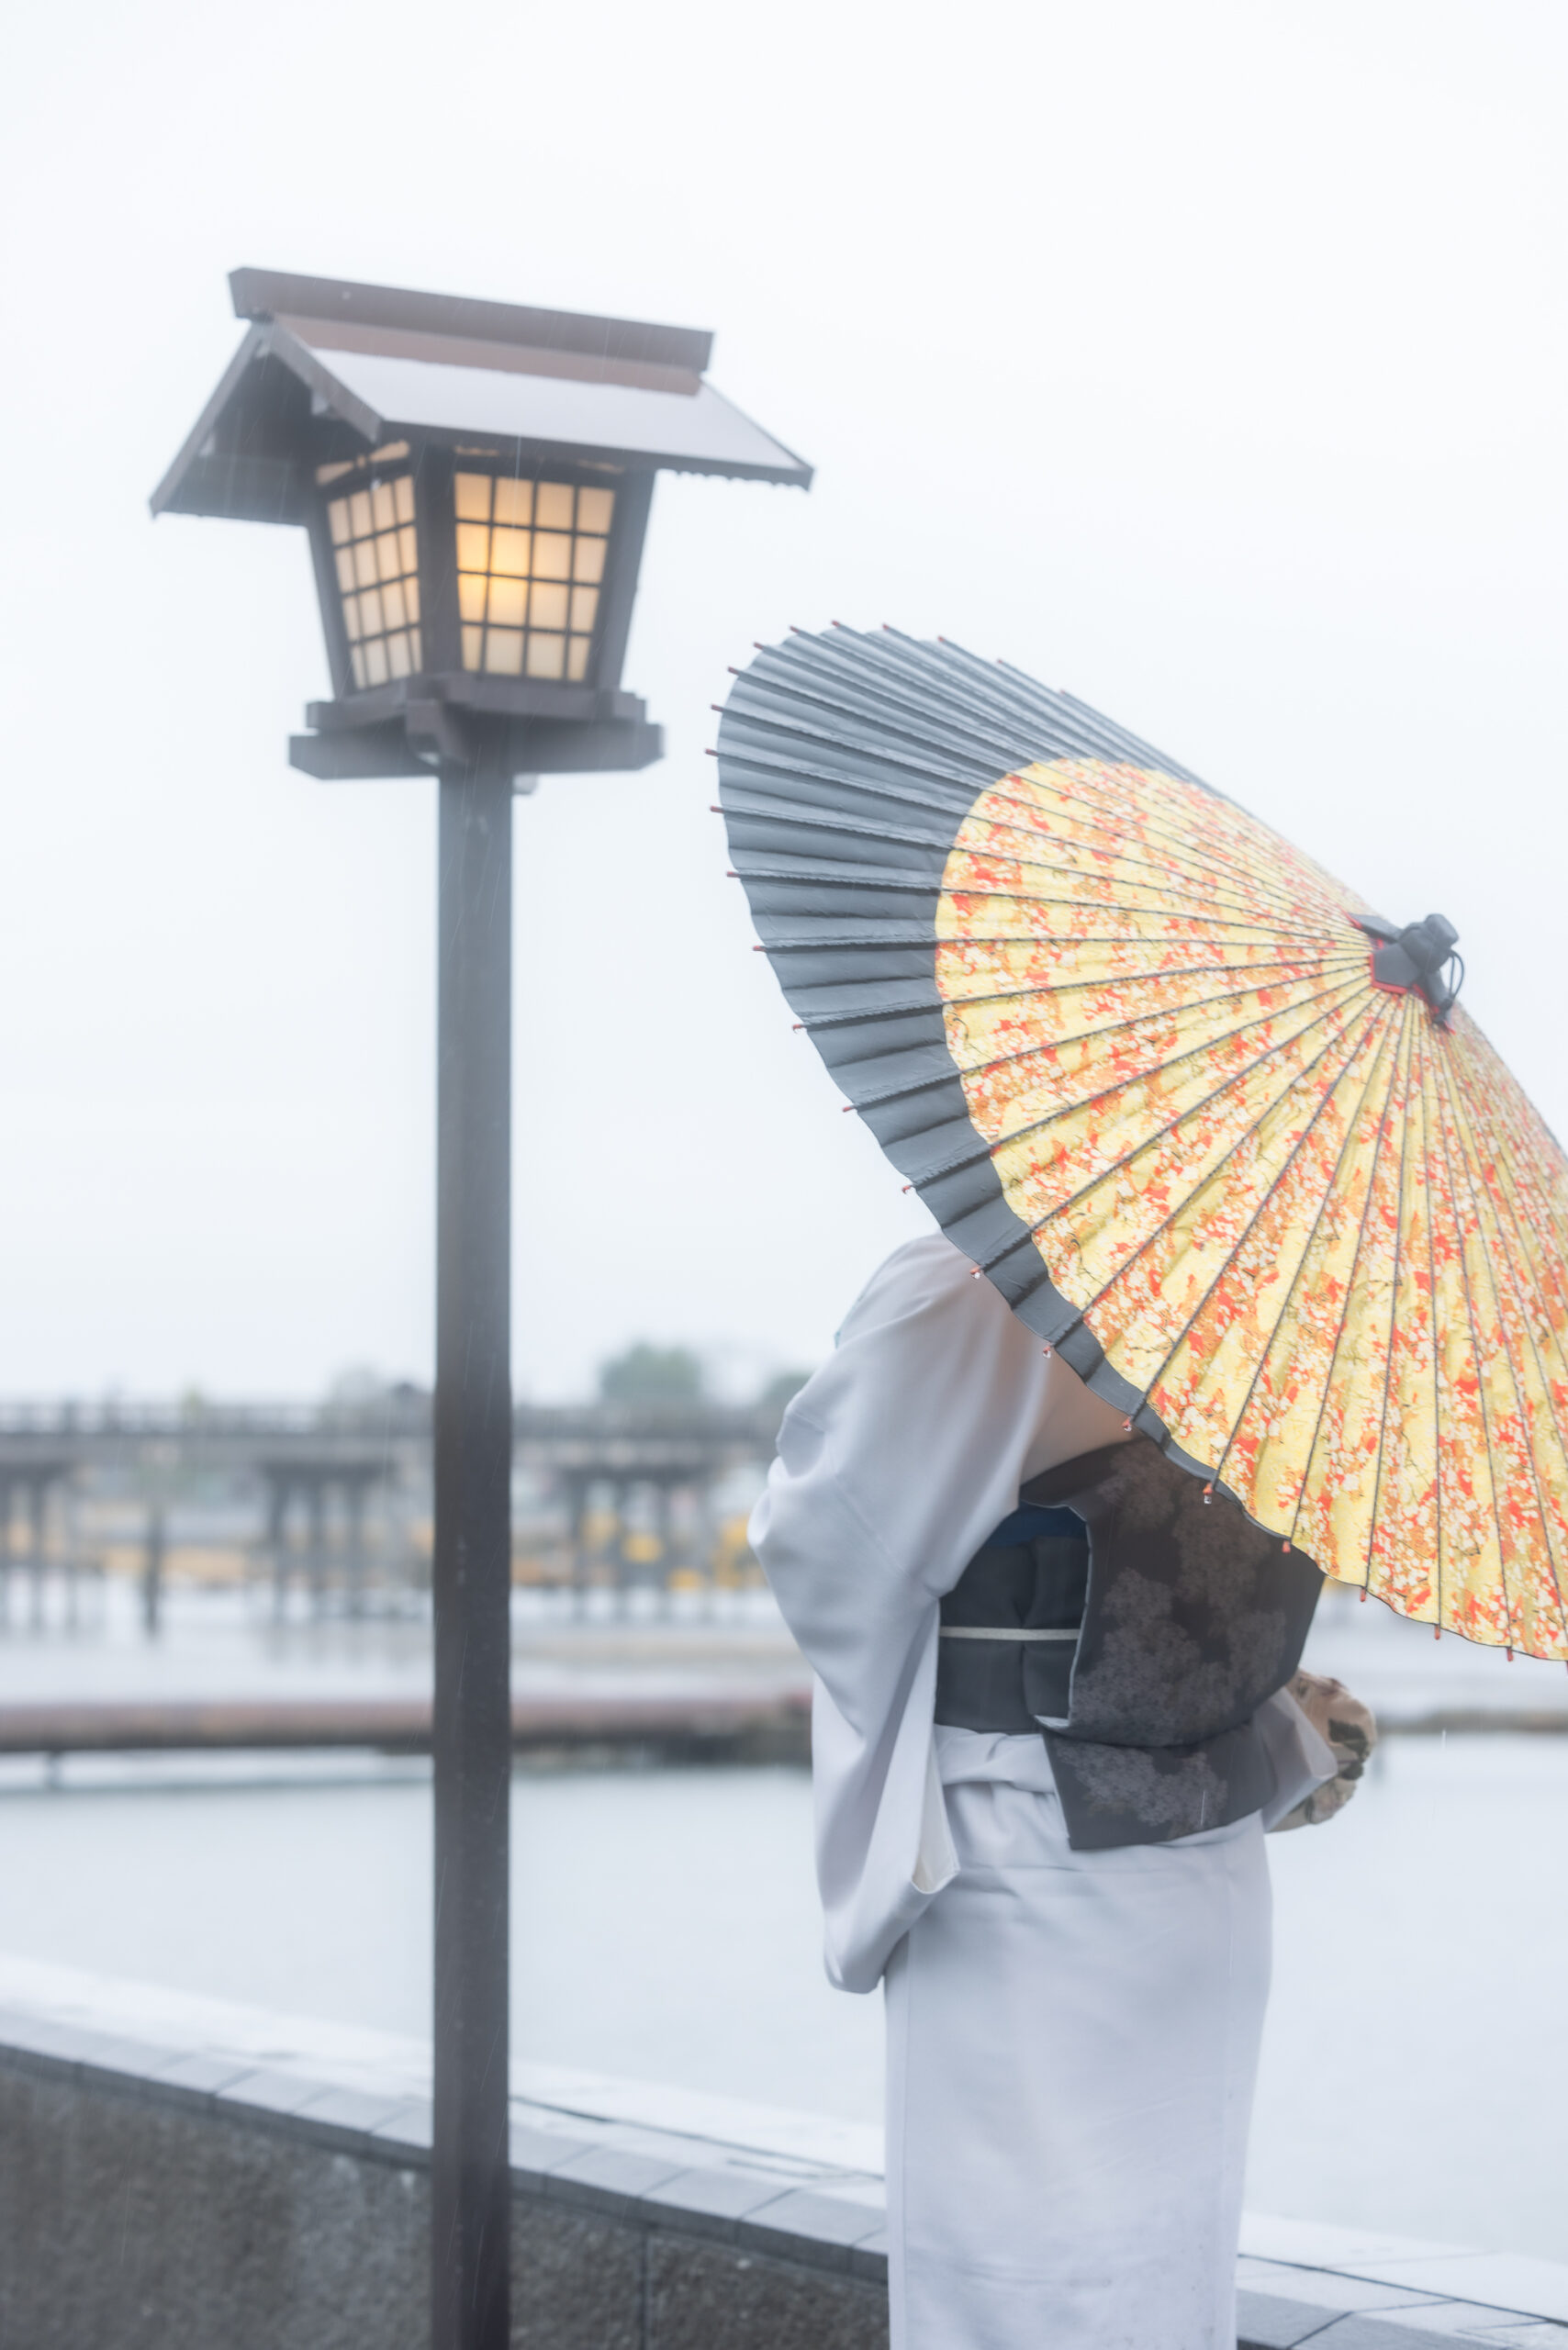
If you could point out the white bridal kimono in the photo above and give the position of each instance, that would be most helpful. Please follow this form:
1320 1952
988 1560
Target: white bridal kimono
1071 2036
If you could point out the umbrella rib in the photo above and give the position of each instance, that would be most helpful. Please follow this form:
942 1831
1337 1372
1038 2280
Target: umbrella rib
967 683
1180 905
1508 1170
1353 1044
1509 1181
912 740
1412 1035
1541 1511
913 677
841 940
1463 1125
1212 922
1124 798
1351 1129
1180 869
833 874
903 777
1114 1166
871 1097
816 734
1176 1344
1544 1378
1034 695
1328 959
1506 1205
1164 851
841 685
874 1097
924 787
971 682
1178 890
1154 831
988 1150
1475 1342
907 685
762 747
1087 1101
1428 1080
1340 1334
1507 1214
1265 919
969 694
1196 1003
1170 873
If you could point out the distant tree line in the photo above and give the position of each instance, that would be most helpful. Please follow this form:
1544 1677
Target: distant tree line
649 1374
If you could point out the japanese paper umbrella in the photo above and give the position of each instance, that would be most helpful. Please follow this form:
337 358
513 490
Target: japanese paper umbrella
1219 1133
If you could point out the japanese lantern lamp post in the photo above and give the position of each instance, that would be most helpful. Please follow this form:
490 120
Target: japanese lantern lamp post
475 480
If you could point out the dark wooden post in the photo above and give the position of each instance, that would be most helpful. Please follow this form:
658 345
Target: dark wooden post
471 2179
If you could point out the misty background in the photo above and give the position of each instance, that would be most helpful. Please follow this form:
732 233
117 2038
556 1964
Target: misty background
1209 362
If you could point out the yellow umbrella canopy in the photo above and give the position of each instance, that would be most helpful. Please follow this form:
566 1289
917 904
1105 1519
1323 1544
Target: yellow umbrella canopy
1217 1131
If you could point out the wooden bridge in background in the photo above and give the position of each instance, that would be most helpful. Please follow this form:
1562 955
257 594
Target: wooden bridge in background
333 1496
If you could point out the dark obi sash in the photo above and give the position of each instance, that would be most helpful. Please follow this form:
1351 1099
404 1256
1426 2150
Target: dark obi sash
1032 1573
1187 1618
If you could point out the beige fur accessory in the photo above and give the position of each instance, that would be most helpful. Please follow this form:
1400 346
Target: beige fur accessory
1350 1728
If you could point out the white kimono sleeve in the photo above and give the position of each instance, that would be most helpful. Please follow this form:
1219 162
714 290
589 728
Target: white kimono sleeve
894 1463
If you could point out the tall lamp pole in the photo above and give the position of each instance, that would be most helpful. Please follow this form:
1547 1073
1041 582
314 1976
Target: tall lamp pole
474 478
470 2197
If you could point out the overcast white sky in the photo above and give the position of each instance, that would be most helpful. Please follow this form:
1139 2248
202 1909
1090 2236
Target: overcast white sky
1206 359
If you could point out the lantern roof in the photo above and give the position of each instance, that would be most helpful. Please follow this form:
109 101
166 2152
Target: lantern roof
328 369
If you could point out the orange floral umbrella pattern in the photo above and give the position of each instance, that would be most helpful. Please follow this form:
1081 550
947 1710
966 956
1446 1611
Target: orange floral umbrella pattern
1146 1068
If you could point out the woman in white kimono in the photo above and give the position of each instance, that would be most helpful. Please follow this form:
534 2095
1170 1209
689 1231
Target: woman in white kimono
1075 1965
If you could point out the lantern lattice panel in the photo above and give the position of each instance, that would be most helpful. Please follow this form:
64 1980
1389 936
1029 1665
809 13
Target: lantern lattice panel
531 564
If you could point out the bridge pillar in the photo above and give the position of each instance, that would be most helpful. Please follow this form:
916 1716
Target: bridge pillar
664 1521
278 1484
354 1548
621 1492
154 1556
576 1538
38 1526
316 1541
69 1548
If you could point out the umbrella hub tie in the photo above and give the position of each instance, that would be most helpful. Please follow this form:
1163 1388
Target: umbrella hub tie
1421 957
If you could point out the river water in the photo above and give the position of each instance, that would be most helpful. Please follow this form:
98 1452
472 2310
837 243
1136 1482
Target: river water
1416 2071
